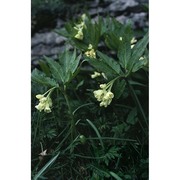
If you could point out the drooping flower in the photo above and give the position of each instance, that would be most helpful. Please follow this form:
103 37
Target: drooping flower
91 52
79 27
45 102
104 94
79 35
96 74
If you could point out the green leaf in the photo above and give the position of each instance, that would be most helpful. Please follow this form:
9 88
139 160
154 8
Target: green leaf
55 69
140 64
45 167
138 50
99 171
124 53
119 87
111 154
110 62
62 32
44 67
106 64
112 41
65 69
69 64
116 30
97 132
41 78
115 175
132 116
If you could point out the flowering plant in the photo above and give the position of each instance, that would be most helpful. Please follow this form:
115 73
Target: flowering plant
91 99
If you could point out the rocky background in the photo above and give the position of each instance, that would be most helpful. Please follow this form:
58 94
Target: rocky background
49 16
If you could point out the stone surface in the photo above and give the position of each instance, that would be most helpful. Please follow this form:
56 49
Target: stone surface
50 44
122 5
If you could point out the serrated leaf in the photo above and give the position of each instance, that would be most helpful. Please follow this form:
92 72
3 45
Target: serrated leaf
41 78
55 69
112 41
44 67
110 62
138 50
140 64
106 64
69 64
124 53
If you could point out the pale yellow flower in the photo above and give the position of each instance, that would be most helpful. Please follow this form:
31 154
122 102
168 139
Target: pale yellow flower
45 103
91 53
104 95
79 35
96 74
132 46
133 40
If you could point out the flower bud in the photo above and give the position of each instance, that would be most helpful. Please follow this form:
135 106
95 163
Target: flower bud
102 86
79 35
133 40
82 139
39 96
96 74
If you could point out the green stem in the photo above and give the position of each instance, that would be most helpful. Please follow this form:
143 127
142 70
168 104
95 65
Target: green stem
72 128
137 102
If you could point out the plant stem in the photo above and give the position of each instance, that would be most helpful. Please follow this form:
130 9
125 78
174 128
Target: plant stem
137 102
72 128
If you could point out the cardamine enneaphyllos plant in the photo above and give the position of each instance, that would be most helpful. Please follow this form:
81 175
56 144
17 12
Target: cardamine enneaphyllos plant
95 82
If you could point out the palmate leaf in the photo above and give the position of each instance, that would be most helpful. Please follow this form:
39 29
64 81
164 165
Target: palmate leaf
69 64
117 30
112 41
92 33
65 69
41 78
124 52
106 64
138 50
55 69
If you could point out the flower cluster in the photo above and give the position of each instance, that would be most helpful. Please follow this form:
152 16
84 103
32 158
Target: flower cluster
104 94
91 52
45 103
79 28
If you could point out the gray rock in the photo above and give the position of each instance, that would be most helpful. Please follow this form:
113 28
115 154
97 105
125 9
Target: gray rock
121 5
50 43
95 11
46 38
139 20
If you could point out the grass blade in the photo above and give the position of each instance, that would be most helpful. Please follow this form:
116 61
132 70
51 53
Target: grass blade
45 167
115 176
97 132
